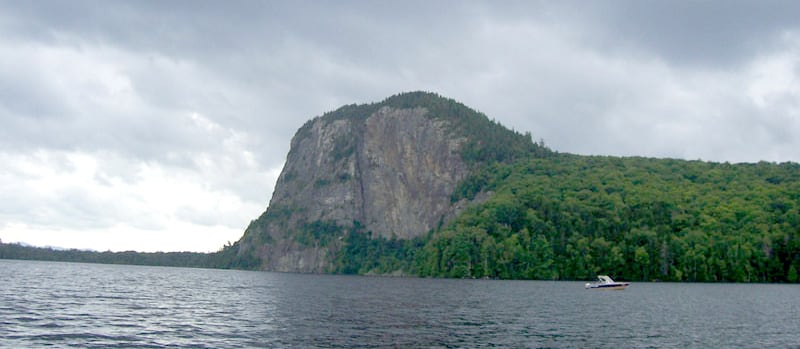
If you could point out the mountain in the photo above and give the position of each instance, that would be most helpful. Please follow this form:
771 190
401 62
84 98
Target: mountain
422 185
388 168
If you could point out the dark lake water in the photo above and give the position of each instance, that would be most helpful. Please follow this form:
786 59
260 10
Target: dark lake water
46 304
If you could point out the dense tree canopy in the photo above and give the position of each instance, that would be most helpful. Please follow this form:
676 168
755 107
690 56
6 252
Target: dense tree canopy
572 217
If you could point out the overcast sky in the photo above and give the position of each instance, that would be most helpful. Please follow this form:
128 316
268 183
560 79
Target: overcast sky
163 125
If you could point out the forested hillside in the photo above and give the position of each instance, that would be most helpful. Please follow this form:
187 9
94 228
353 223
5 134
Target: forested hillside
571 217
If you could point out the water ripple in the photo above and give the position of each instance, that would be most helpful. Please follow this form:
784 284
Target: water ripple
67 305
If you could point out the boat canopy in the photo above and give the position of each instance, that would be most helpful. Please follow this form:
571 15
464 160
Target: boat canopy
605 279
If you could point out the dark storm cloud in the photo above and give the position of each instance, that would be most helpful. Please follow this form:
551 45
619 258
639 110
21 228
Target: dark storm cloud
707 33
266 67
703 32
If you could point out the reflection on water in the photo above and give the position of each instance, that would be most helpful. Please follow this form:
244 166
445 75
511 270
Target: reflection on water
85 305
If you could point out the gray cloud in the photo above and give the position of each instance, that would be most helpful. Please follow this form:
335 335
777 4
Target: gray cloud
707 34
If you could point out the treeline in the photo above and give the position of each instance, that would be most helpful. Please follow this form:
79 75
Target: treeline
487 140
172 259
570 217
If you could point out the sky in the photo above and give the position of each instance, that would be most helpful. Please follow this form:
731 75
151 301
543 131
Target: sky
163 125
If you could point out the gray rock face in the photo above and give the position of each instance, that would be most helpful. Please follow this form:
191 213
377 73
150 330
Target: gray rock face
393 172
408 169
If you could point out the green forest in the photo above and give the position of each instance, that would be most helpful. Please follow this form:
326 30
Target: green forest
572 217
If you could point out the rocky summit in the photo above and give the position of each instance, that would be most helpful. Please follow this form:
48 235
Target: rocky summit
390 168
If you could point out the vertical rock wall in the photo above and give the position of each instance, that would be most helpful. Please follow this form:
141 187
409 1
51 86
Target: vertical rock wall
393 171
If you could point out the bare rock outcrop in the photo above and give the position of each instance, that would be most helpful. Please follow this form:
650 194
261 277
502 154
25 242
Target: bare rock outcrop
390 168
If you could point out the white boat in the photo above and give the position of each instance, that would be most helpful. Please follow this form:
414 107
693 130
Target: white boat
604 282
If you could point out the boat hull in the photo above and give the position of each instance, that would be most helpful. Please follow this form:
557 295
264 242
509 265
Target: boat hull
620 286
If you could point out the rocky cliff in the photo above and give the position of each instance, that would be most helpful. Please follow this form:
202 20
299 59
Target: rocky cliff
389 167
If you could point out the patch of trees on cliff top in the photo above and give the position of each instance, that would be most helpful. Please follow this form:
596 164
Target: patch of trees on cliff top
487 140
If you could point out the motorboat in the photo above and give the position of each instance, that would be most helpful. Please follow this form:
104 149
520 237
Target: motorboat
604 282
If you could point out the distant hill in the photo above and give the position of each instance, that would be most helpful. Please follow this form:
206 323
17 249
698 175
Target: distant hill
172 259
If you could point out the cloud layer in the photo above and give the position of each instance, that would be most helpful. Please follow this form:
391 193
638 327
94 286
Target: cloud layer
163 125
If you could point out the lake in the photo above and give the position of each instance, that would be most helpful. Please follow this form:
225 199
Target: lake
100 306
